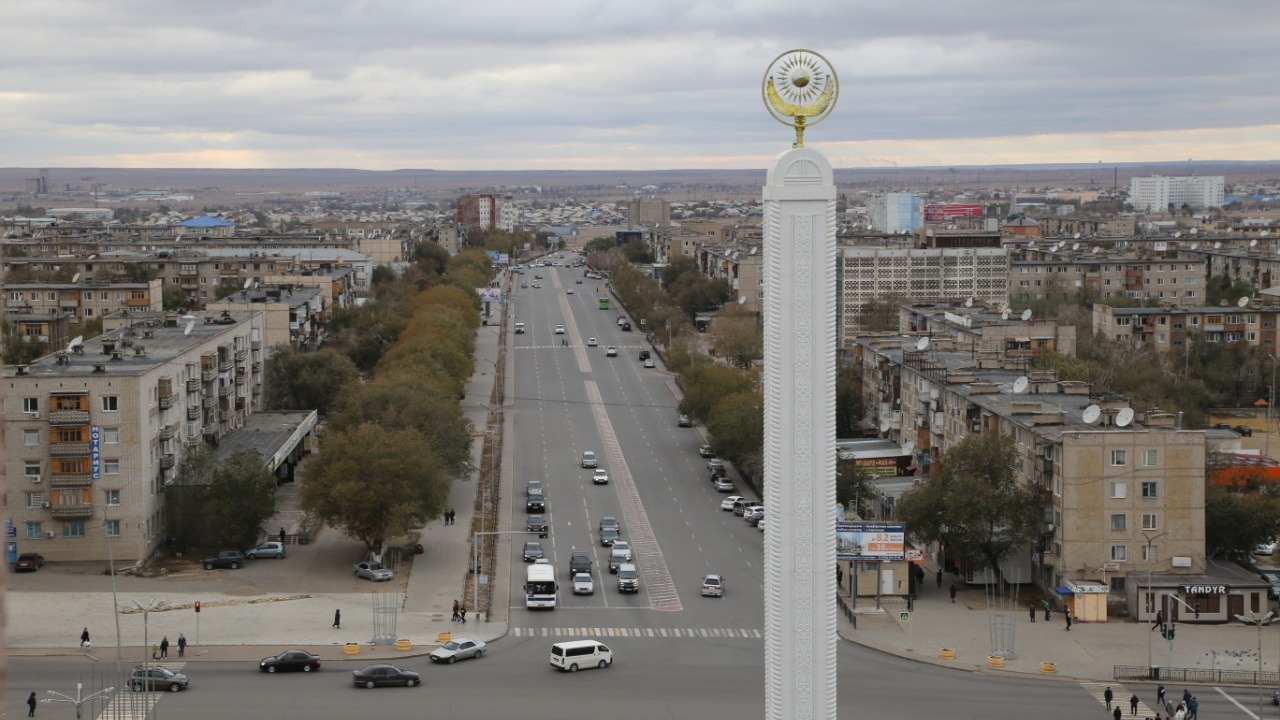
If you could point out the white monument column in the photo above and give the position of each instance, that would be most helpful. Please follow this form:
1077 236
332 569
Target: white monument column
799 410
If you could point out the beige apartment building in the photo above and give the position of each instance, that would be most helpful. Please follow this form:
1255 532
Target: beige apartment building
1122 493
94 434
1171 328
994 335
1042 273
81 301
292 316
741 267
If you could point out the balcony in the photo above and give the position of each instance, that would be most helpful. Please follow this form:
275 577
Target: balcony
193 385
166 401
257 366
69 417
193 412
194 442
225 390
255 344
72 512
167 461
208 374
241 354
168 431
224 363
209 401
66 481
225 414
69 449
240 371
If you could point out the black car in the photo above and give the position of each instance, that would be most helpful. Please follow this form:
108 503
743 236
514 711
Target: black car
225 559
536 523
626 327
289 661
579 562
533 551
644 355
1243 430
156 678
374 676
536 502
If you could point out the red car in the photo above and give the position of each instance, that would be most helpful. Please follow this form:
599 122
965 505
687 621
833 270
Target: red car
29 562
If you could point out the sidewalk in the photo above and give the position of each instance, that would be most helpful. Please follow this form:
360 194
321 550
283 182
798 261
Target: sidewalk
1088 652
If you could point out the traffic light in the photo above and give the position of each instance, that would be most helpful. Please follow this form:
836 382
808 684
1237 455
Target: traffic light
197 606
1169 634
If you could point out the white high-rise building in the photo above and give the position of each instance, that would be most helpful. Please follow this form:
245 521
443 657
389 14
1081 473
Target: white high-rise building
1157 192
897 212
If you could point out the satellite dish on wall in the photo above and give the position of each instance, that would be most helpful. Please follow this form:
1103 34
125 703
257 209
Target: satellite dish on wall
884 426
1124 418
968 302
1243 302
1193 231
1096 250
247 283
1264 233
1004 314
1217 245
1075 246
1177 234
755 250
742 299
1195 246
1020 385
1076 236
75 278
1091 414
1031 245
922 343
1026 314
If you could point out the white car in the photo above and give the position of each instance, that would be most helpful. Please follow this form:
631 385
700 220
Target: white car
648 362
600 476
724 484
457 649
583 584
569 291
713 586
266 550
559 329
611 351
727 503
370 571
592 342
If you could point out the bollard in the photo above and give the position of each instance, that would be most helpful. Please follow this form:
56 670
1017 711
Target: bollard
1048 667
995 661
351 649
444 637
404 644
947 654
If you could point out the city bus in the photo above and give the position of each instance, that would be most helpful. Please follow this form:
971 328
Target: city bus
604 303
540 586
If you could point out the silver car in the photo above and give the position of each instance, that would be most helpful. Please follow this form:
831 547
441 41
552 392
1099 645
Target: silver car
372 571
459 649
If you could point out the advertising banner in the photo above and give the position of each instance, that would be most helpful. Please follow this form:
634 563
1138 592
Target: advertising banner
489 295
870 541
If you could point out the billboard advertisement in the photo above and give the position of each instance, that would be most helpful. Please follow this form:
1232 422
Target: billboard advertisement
942 212
489 295
870 541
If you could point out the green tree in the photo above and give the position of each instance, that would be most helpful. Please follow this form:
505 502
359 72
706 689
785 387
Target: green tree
239 500
854 485
599 245
849 406
1236 523
705 384
1221 288
174 298
375 483
637 252
308 381
736 427
974 504
738 337
18 347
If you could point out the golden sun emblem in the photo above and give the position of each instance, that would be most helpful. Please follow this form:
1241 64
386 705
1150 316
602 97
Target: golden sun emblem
800 89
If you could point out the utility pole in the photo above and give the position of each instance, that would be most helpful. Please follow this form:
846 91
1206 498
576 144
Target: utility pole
1150 600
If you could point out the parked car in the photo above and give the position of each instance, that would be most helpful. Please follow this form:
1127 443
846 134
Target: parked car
225 559
648 362
644 355
729 502
1266 548
724 484
754 518
372 676
156 677
713 586
273 549
533 551
1243 430
714 463
458 649
706 451
1273 585
741 505
583 584
625 326
372 571
290 661
29 562
684 421
600 477
717 473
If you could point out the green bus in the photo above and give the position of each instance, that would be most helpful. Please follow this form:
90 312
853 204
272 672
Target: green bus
604 303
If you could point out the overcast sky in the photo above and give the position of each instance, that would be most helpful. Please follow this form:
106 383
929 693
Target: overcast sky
654 84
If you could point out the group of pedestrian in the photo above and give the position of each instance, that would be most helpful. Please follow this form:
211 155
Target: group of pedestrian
449 516
459 612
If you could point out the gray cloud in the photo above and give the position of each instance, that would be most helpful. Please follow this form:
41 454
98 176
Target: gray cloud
571 83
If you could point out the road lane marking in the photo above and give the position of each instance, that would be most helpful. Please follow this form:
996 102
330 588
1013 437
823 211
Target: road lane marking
1235 702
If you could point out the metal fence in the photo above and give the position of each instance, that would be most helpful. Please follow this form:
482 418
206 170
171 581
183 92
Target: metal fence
1196 675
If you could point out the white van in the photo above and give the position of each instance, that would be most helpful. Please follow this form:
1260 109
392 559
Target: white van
519 328
576 654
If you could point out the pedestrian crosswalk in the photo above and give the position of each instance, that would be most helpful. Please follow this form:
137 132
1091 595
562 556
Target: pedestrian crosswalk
1120 697
128 705
637 632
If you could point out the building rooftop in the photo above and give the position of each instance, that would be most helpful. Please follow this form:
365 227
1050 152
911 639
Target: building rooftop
271 434
293 296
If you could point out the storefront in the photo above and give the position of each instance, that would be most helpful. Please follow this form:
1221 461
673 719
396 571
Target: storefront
1217 596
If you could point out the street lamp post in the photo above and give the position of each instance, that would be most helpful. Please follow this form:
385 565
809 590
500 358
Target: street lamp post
1259 620
79 699
475 561
1150 600
151 606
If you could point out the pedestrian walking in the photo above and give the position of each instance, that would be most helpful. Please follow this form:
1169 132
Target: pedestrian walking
31 705
1159 623
455 611
1116 713
453 516
182 645
462 614
1193 708
84 638
1047 611
1161 700
953 594
939 576
1067 615
164 647
1032 611
282 536
1133 704
1108 696
337 618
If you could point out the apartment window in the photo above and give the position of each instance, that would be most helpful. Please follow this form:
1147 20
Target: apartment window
1119 490
34 531
30 437
110 436
110 403
1117 584
104 295
1150 553
1150 458
1148 521
112 497
1150 489
30 405
88 312
111 467
1118 522
87 296
111 528
35 500
31 469
1118 553
73 529
1118 458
